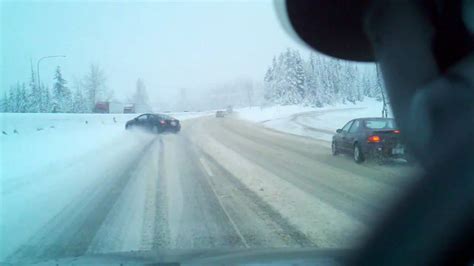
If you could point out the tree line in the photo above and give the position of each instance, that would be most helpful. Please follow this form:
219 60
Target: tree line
32 97
318 80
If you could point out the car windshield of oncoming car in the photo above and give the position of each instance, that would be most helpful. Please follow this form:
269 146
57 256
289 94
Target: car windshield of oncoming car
87 167
380 124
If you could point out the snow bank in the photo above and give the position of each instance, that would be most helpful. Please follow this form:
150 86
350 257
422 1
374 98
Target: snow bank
32 141
263 114
319 123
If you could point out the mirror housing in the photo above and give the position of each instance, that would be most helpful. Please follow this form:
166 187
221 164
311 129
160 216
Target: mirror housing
339 130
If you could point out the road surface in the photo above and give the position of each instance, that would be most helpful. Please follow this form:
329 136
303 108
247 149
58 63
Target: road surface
220 183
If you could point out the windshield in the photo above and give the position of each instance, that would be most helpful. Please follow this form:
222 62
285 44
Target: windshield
380 124
253 162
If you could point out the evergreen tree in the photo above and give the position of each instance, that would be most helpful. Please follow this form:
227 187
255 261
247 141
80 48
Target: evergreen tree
46 106
15 98
5 104
62 98
79 102
23 99
34 95
299 81
318 81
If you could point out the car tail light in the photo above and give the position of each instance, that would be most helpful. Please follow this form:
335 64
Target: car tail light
373 139
162 122
396 131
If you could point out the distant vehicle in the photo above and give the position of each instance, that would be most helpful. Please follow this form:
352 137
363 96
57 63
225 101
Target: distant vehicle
129 109
220 114
365 138
156 123
101 107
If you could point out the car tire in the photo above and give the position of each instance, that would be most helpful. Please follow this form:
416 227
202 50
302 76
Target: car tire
358 155
334 150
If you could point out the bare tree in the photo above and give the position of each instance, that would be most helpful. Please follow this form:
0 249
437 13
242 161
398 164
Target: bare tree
94 84
140 98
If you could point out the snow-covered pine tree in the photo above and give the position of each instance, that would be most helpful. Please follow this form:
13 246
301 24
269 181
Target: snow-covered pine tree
318 81
299 77
269 83
34 95
62 98
348 82
5 104
46 105
79 104
316 89
14 98
23 100
291 78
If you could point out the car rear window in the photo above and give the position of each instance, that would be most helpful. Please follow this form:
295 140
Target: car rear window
380 124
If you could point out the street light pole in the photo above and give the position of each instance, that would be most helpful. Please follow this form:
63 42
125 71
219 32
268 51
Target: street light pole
38 65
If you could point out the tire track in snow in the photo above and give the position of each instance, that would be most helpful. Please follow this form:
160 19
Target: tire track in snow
276 224
72 230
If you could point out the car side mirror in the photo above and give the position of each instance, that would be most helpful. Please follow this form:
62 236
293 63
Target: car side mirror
339 130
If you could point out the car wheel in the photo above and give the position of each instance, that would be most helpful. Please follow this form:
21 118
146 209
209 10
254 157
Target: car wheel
358 155
334 150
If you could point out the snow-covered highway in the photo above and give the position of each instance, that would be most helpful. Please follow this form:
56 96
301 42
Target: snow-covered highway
219 183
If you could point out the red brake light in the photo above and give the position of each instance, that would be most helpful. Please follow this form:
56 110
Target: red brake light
373 138
396 131
162 122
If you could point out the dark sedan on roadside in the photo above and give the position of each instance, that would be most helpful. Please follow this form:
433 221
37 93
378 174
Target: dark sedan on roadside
364 138
156 123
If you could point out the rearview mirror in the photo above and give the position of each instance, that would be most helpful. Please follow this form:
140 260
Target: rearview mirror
339 130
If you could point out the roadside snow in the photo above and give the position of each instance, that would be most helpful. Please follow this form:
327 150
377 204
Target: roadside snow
264 114
32 141
318 123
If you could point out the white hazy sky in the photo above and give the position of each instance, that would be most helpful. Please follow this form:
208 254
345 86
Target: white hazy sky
170 45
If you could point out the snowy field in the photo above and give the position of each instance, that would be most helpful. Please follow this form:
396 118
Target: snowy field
318 123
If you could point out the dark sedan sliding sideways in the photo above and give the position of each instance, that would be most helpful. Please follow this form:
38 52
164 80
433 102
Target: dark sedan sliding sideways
156 123
365 138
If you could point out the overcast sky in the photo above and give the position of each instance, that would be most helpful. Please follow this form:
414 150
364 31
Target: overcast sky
170 45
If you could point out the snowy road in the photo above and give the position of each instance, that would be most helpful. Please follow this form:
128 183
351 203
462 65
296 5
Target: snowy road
219 183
